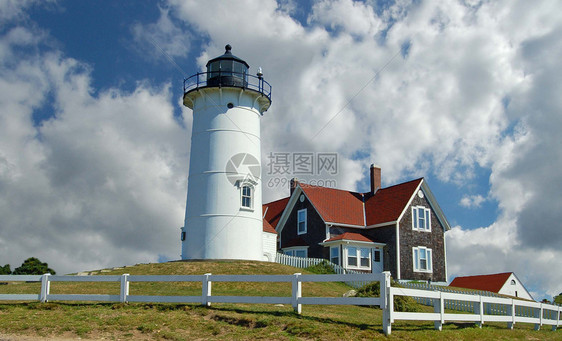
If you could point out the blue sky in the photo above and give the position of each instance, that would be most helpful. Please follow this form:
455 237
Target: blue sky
94 141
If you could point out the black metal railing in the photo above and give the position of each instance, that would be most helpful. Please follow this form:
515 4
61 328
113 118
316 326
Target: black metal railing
230 79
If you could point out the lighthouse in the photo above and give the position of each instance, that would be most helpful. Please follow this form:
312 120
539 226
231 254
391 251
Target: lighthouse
223 217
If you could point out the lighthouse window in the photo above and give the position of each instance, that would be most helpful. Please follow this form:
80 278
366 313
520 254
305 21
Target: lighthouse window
246 197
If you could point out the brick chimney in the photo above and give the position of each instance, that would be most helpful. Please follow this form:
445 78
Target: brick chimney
293 184
375 178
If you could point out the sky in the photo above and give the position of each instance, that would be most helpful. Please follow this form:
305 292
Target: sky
95 141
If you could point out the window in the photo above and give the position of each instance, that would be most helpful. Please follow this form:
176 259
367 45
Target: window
301 221
296 253
422 259
512 282
246 197
352 256
377 254
182 236
300 253
359 257
365 259
335 255
421 218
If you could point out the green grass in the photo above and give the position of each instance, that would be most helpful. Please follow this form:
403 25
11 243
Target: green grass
222 321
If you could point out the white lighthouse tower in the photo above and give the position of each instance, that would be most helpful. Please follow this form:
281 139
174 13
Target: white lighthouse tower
223 218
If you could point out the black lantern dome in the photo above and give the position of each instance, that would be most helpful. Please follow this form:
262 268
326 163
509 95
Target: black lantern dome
227 70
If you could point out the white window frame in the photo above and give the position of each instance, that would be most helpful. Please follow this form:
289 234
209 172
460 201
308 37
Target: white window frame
337 249
293 252
299 232
358 257
426 219
416 257
250 197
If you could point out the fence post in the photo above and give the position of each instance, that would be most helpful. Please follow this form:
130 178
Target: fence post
511 311
206 290
558 311
45 288
540 311
124 292
439 307
479 309
387 301
297 293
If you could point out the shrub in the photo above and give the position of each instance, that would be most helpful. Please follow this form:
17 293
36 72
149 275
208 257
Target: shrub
5 270
33 266
322 268
401 303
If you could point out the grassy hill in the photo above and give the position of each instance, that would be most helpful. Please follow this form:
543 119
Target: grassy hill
222 321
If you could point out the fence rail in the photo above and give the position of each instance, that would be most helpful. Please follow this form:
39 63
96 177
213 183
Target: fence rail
482 309
507 310
206 297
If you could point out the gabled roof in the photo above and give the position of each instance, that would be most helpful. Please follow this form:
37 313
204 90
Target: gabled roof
351 236
353 209
272 211
335 205
387 204
493 282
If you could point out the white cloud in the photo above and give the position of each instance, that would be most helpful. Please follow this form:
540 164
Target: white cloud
98 183
164 37
472 201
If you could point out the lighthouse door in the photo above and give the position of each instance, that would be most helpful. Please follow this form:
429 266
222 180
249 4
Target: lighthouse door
377 261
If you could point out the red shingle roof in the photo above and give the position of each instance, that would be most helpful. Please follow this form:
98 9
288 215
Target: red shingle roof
336 205
274 210
351 208
493 282
267 227
351 236
388 203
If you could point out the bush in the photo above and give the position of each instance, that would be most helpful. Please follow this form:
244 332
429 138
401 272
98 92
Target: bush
558 299
33 266
401 303
322 268
5 270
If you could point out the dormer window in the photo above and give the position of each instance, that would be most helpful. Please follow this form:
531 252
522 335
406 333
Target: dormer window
421 218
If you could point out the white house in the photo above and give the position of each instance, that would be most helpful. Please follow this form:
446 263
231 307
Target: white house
503 283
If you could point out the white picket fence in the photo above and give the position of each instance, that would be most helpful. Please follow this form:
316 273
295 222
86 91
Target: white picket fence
303 263
516 311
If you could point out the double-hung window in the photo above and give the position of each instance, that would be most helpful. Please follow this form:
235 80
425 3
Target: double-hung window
422 259
359 257
335 255
421 218
351 256
246 197
301 221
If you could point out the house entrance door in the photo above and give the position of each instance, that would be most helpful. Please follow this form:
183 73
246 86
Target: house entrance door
377 261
